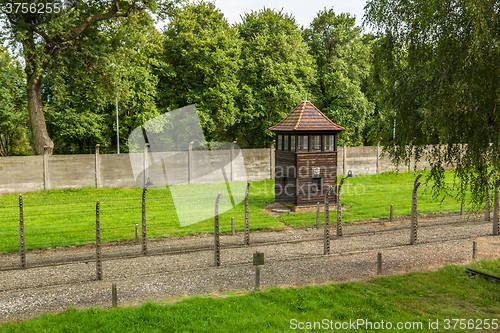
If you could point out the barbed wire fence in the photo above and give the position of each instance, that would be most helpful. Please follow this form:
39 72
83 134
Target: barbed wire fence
66 219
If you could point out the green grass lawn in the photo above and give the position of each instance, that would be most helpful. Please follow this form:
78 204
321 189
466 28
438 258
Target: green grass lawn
412 298
370 196
67 217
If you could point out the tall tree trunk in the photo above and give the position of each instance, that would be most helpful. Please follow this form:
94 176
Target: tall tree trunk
39 135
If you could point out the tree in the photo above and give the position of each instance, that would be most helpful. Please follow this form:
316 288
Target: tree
276 73
342 60
442 83
13 115
113 63
45 36
201 59
378 91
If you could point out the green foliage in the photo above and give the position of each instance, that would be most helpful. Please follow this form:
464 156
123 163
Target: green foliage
417 297
201 59
112 62
275 76
342 60
243 78
439 73
13 116
78 37
379 91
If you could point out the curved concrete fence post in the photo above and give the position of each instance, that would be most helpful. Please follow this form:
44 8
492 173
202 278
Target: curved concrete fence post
326 236
339 208
414 212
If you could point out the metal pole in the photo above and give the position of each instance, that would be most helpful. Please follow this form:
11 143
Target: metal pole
233 231
474 250
391 216
97 167
216 233
22 244
339 209
117 129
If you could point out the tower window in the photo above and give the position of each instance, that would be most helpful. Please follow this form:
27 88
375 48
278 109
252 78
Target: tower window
329 142
316 144
303 142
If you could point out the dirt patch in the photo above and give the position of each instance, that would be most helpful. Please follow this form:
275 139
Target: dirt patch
276 209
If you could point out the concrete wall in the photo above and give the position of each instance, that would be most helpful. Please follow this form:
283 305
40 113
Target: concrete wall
363 160
71 171
116 171
21 174
31 173
257 163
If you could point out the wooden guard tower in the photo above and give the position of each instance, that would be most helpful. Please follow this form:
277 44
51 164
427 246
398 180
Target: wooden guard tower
306 156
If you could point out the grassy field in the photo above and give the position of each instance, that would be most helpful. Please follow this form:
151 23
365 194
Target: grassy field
411 299
370 196
67 217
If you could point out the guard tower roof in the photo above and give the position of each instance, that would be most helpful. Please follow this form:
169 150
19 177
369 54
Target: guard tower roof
306 117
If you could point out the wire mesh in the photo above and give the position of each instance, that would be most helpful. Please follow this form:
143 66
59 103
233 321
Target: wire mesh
66 218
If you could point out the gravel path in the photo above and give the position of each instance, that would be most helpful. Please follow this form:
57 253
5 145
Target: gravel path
298 261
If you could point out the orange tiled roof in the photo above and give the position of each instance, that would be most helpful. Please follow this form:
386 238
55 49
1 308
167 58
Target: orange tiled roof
306 117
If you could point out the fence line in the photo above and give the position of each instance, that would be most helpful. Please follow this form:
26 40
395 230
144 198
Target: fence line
74 226
31 173
65 219
98 256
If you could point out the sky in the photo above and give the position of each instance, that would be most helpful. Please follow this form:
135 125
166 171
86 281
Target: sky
304 11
